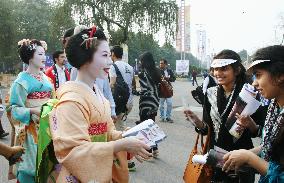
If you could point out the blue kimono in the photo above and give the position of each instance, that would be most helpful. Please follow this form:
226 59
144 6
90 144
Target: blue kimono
28 91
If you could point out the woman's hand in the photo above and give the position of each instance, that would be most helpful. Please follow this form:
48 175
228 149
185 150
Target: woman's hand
134 146
247 122
35 111
14 150
235 159
114 118
191 116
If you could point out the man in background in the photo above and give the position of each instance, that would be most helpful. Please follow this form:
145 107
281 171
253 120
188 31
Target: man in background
169 76
58 73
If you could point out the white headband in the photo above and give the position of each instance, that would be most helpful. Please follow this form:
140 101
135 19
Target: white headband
222 62
256 62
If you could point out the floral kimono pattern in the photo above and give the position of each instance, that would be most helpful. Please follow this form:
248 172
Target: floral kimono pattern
82 131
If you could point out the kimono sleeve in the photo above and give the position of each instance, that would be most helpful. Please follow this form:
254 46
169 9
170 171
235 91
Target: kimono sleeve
18 97
86 160
113 134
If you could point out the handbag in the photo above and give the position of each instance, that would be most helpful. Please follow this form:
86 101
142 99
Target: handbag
198 173
165 89
198 95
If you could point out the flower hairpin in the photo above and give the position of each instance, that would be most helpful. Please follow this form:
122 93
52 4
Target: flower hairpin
89 42
27 43
85 36
32 47
23 42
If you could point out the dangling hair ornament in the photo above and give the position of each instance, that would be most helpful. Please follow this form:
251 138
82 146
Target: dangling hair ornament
27 42
89 41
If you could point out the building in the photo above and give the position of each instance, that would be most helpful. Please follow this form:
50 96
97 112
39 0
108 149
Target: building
183 34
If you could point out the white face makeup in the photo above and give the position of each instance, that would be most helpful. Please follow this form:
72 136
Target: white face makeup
38 60
100 65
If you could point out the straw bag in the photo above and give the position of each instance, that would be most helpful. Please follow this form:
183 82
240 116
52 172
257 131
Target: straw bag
197 173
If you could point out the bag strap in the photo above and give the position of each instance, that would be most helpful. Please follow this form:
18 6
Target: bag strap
117 71
205 146
196 142
207 142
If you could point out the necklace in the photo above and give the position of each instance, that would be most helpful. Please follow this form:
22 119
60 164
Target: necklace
229 102
37 76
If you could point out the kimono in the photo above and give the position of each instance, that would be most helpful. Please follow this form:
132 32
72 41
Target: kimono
28 91
82 132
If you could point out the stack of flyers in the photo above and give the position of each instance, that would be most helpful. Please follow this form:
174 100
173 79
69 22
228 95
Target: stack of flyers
149 131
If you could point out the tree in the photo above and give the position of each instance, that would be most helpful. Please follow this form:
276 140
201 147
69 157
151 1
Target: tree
141 42
32 19
61 20
244 55
128 15
7 34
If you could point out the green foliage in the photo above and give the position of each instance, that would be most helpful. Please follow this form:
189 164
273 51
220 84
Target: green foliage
61 20
140 42
244 55
30 19
128 15
7 33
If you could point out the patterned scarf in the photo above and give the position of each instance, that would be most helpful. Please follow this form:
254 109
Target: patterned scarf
214 112
273 122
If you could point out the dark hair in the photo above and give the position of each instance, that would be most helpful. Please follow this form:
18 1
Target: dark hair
241 77
238 67
117 51
165 61
80 48
276 65
27 51
148 63
56 55
68 33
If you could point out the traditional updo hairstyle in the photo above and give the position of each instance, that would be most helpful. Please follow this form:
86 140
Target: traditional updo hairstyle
81 47
241 77
27 49
276 65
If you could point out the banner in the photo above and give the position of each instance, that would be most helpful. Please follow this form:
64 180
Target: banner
182 66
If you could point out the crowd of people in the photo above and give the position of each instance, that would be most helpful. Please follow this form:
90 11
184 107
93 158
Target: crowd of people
93 99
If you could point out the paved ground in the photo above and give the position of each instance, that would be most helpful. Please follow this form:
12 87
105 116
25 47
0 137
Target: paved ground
174 151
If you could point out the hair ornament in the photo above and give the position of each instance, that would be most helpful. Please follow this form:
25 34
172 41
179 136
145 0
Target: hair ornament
27 42
89 41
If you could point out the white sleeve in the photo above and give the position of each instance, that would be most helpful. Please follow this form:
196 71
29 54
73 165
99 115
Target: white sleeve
108 95
205 84
73 74
112 72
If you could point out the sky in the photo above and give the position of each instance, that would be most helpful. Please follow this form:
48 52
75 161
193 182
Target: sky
237 24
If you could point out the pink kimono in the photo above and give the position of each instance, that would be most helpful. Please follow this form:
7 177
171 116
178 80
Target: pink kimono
82 132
